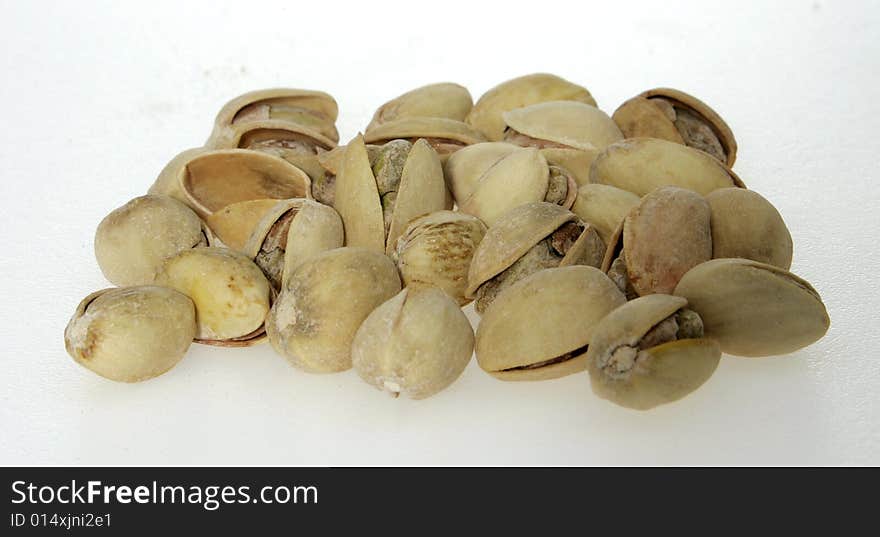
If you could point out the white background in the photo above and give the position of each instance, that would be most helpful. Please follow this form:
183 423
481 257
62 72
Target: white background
98 96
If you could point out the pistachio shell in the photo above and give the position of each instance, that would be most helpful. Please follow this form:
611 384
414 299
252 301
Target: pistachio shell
604 207
260 133
466 166
316 228
746 225
652 374
235 223
664 237
416 343
526 90
446 100
231 294
576 161
168 181
324 301
539 327
133 240
642 164
437 129
569 123
131 334
677 117
754 309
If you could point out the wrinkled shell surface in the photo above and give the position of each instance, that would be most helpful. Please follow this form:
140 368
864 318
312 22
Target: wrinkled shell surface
132 241
746 225
131 334
446 100
415 344
604 207
754 309
569 123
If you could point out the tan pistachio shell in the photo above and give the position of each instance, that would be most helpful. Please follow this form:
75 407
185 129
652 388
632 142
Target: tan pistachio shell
642 164
243 135
133 241
447 100
413 128
546 316
576 161
465 167
570 123
604 207
231 294
167 183
323 303
436 251
131 334
416 344
746 225
649 115
661 373
754 309
486 115
235 223
216 179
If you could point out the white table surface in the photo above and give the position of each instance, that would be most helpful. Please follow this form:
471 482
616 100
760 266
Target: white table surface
98 96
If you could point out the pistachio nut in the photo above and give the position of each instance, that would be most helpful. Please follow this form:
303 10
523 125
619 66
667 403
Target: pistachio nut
754 309
436 250
131 334
291 232
445 99
133 240
642 164
666 235
323 303
561 124
489 179
167 183
604 207
445 135
230 292
746 225
540 327
417 343
675 116
649 352
324 189
377 200
519 92
527 239
575 161
234 224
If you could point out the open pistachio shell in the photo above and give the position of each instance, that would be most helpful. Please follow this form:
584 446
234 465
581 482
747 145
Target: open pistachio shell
132 241
445 135
291 232
436 250
415 344
540 327
754 309
746 225
231 294
643 355
323 303
465 167
235 223
168 181
577 161
131 334
678 117
522 91
569 124
604 207
445 99
215 179
642 164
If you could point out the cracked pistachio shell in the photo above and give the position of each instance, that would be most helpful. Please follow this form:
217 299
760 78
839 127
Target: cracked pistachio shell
167 183
754 309
133 240
642 164
465 167
519 92
661 373
131 334
415 344
447 100
575 161
216 179
235 223
289 233
445 135
746 225
422 190
436 250
323 303
230 292
315 110
604 207
568 123
675 116
540 327
666 235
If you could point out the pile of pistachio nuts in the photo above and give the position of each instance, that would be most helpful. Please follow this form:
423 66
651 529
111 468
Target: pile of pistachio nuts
622 245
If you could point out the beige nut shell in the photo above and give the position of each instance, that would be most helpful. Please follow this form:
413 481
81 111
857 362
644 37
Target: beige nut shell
235 223
746 225
423 127
569 123
445 99
604 207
